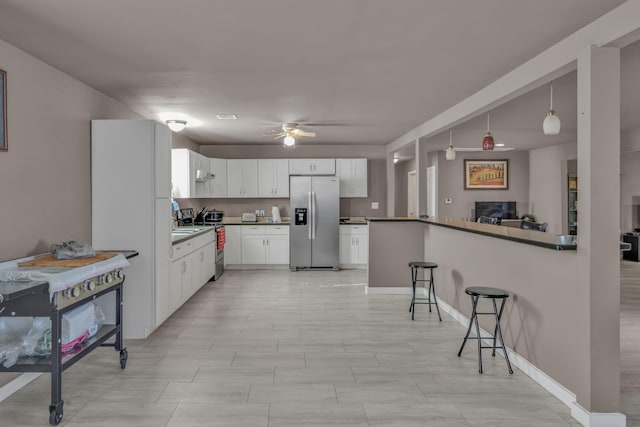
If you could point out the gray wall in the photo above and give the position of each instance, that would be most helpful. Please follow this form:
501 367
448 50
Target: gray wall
401 170
548 185
356 206
451 184
45 179
629 191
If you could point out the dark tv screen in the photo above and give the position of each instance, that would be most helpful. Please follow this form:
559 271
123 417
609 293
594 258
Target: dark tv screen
502 210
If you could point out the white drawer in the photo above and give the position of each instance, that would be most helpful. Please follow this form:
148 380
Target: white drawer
277 229
181 249
253 229
354 229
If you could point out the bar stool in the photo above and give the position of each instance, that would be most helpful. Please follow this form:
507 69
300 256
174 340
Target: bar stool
477 292
415 266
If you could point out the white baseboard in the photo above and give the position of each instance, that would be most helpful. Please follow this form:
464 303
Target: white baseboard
17 383
584 417
400 290
597 419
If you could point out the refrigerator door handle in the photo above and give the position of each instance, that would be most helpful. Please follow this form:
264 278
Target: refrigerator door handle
313 213
309 207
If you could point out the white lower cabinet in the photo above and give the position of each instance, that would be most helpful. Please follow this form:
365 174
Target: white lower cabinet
192 266
265 244
354 245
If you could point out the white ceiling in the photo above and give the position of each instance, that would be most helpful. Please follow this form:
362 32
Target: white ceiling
354 71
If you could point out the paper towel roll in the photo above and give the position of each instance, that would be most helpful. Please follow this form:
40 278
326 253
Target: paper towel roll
275 214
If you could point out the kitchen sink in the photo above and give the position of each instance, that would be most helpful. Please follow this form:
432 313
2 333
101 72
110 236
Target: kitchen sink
186 232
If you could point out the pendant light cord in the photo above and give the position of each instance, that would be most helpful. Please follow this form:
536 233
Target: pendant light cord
551 107
488 129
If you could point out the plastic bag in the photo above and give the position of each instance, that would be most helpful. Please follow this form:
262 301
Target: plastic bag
70 249
12 329
31 336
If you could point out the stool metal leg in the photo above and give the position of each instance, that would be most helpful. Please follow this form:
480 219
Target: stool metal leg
432 289
499 332
412 306
474 302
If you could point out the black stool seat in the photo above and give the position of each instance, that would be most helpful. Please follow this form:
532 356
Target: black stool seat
486 292
477 292
415 266
421 264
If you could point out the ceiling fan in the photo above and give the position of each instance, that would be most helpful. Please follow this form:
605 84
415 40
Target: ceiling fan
290 132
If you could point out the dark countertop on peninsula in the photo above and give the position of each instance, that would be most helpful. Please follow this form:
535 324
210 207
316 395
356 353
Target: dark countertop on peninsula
529 237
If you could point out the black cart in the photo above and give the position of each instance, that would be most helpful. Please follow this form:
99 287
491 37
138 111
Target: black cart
32 299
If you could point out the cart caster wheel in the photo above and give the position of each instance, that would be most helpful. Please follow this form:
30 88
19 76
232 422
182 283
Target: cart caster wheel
123 358
55 417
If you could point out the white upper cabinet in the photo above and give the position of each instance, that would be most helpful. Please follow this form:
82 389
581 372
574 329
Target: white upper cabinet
190 174
273 178
353 177
242 178
312 166
218 178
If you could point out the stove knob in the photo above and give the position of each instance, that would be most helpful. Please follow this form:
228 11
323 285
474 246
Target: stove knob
73 292
119 275
89 285
108 278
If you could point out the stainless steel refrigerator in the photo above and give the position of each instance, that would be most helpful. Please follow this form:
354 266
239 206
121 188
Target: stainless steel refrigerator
315 218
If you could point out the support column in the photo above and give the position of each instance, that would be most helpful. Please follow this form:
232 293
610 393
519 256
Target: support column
391 186
421 177
599 225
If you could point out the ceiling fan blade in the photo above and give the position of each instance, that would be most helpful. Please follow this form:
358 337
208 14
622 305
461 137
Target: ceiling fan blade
299 132
279 136
274 133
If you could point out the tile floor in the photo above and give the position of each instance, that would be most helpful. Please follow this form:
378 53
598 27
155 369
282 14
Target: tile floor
276 348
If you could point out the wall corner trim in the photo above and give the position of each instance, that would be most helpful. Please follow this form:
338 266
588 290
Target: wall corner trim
597 419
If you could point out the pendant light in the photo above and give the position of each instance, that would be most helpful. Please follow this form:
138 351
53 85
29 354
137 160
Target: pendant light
551 124
289 141
451 152
487 141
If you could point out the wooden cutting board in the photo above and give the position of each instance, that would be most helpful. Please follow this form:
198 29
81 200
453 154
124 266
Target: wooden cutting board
51 261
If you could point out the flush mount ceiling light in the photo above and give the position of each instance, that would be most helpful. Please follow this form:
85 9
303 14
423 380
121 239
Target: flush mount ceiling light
551 124
487 141
289 141
451 152
176 125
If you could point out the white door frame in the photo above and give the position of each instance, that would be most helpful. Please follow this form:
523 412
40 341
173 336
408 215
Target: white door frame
411 194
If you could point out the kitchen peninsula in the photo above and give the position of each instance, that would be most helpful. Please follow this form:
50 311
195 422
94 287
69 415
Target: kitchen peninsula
546 319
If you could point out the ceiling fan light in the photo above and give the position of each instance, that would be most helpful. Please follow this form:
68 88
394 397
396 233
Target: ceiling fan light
176 125
551 124
289 141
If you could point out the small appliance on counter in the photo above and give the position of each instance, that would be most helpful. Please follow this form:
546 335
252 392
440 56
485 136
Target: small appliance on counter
185 217
249 217
200 217
275 214
213 217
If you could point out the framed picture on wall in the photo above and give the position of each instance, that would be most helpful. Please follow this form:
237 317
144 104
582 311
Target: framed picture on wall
486 174
3 111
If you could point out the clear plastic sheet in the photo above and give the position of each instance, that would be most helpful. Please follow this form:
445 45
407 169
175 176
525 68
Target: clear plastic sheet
59 278
31 336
